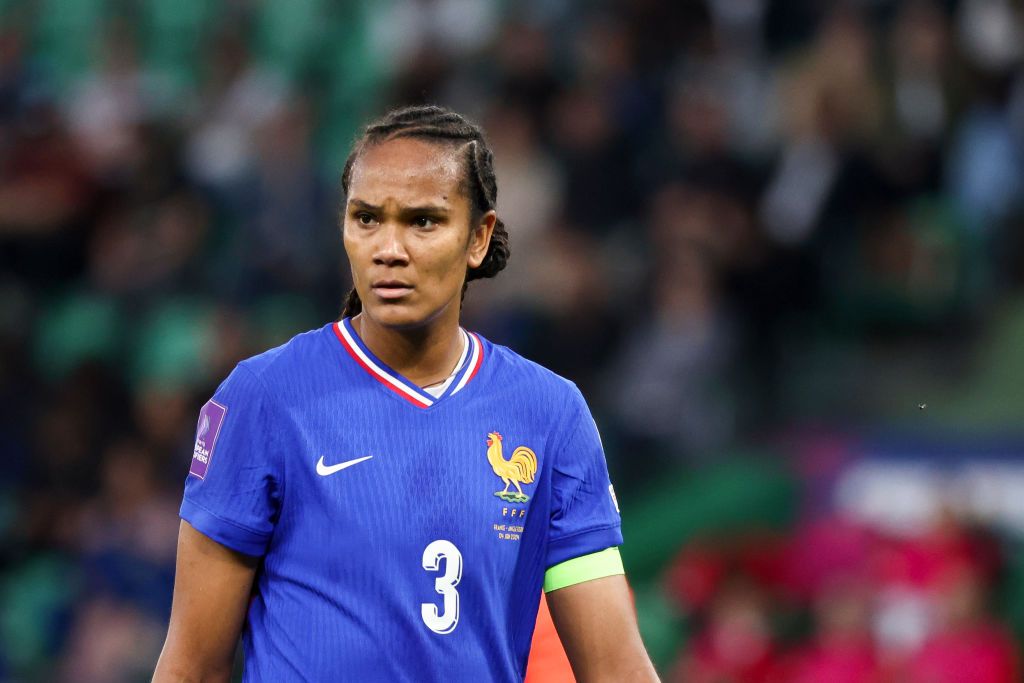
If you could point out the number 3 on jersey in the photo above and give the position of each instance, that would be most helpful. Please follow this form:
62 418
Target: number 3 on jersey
446 621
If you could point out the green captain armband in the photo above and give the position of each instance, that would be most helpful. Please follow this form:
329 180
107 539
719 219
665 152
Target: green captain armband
597 565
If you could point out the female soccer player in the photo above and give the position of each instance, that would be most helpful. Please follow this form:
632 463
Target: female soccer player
384 498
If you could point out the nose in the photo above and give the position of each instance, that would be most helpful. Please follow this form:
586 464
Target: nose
390 250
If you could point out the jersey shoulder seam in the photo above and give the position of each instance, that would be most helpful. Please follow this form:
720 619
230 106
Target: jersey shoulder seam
271 400
299 346
548 373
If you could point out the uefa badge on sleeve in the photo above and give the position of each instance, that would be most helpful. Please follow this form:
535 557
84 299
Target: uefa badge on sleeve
210 419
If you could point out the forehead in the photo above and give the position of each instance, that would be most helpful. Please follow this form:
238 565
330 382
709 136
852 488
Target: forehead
407 171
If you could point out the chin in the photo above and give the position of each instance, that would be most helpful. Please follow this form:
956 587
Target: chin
397 316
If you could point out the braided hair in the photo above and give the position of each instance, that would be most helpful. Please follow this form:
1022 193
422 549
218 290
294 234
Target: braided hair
443 126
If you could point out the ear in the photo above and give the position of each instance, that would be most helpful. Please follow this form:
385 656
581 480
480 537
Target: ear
480 239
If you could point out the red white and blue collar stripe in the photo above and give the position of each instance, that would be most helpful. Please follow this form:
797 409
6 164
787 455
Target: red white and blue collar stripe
468 366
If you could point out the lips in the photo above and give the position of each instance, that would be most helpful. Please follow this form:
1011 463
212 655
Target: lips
391 289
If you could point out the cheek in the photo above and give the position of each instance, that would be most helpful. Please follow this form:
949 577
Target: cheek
346 242
445 261
354 238
355 252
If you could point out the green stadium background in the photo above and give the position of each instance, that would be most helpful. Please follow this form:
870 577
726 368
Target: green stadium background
778 245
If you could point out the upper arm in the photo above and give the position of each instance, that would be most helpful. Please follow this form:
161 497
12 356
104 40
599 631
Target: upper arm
231 505
594 616
212 585
597 625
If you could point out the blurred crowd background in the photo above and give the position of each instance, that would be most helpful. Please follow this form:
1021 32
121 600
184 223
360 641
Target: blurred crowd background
778 244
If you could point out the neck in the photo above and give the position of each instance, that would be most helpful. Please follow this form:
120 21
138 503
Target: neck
423 355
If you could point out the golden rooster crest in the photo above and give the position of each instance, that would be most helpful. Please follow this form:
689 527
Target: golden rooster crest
518 469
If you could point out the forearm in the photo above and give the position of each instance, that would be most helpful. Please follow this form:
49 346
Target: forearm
174 670
625 663
597 626
638 672
184 661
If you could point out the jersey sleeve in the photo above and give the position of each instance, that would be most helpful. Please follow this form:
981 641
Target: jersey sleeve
235 482
584 516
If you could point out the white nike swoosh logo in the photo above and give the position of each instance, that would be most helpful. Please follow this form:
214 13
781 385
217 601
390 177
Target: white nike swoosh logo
325 470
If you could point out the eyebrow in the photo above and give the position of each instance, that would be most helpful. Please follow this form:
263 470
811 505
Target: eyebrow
428 208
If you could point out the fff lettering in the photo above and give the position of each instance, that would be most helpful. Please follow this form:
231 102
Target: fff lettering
513 512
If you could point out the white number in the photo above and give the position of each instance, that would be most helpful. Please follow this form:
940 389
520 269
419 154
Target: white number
445 584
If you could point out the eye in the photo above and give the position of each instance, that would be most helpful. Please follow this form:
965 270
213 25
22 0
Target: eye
365 218
424 222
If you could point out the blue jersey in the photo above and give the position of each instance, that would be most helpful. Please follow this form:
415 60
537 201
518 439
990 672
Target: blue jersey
404 537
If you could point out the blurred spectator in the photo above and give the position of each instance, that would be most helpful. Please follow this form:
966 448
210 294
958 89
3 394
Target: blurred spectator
986 172
111 643
530 184
827 552
288 211
842 650
108 106
407 30
735 645
967 646
599 190
832 107
527 73
151 248
666 386
238 97
920 44
45 191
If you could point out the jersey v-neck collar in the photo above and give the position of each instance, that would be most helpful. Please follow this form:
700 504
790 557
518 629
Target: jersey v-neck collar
439 389
468 366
